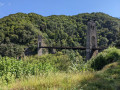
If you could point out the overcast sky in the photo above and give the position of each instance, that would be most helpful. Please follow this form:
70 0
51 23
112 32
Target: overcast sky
59 7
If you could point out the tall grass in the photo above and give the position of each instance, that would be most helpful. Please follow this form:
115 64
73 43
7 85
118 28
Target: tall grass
56 72
11 68
52 81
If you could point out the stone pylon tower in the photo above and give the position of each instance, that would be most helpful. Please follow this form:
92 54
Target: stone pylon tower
91 40
39 45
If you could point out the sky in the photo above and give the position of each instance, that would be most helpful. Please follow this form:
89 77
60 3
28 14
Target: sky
59 7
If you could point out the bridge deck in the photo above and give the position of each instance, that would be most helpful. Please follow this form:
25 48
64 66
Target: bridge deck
74 48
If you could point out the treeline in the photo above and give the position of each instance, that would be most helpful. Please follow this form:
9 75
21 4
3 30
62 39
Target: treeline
19 31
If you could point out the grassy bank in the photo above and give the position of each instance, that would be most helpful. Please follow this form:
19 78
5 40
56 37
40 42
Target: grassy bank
106 79
60 72
52 81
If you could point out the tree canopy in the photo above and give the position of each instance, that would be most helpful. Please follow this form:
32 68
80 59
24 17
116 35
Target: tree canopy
21 30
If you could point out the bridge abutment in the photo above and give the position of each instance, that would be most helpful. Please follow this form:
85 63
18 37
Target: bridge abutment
39 45
91 40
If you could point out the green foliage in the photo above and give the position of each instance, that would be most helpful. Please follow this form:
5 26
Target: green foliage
106 79
11 50
61 70
107 56
23 29
12 68
60 61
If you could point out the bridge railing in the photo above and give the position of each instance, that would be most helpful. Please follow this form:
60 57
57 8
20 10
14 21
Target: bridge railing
74 48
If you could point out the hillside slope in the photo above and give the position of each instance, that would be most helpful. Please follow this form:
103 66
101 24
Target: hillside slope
20 30
106 79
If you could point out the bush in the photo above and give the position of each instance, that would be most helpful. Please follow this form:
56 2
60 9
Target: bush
11 68
107 56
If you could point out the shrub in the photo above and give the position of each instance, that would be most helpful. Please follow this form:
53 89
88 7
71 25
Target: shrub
10 67
107 56
34 65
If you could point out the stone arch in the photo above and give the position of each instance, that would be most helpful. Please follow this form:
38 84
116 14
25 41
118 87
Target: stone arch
39 45
93 41
93 27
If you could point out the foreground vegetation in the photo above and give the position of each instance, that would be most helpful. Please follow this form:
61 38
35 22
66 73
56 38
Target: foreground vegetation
60 72
52 81
106 79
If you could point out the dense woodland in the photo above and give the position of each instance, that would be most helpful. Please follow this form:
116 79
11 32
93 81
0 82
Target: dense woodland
20 31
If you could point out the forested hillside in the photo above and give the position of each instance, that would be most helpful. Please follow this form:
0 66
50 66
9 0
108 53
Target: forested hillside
19 31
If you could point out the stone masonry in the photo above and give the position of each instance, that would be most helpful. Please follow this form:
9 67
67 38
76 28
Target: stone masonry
91 40
39 44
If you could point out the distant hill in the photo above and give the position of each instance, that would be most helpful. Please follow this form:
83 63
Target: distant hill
20 30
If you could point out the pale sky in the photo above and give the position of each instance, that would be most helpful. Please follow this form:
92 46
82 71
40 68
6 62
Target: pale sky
59 7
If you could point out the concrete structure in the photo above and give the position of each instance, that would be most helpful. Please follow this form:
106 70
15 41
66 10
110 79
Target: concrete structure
91 43
39 45
91 40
